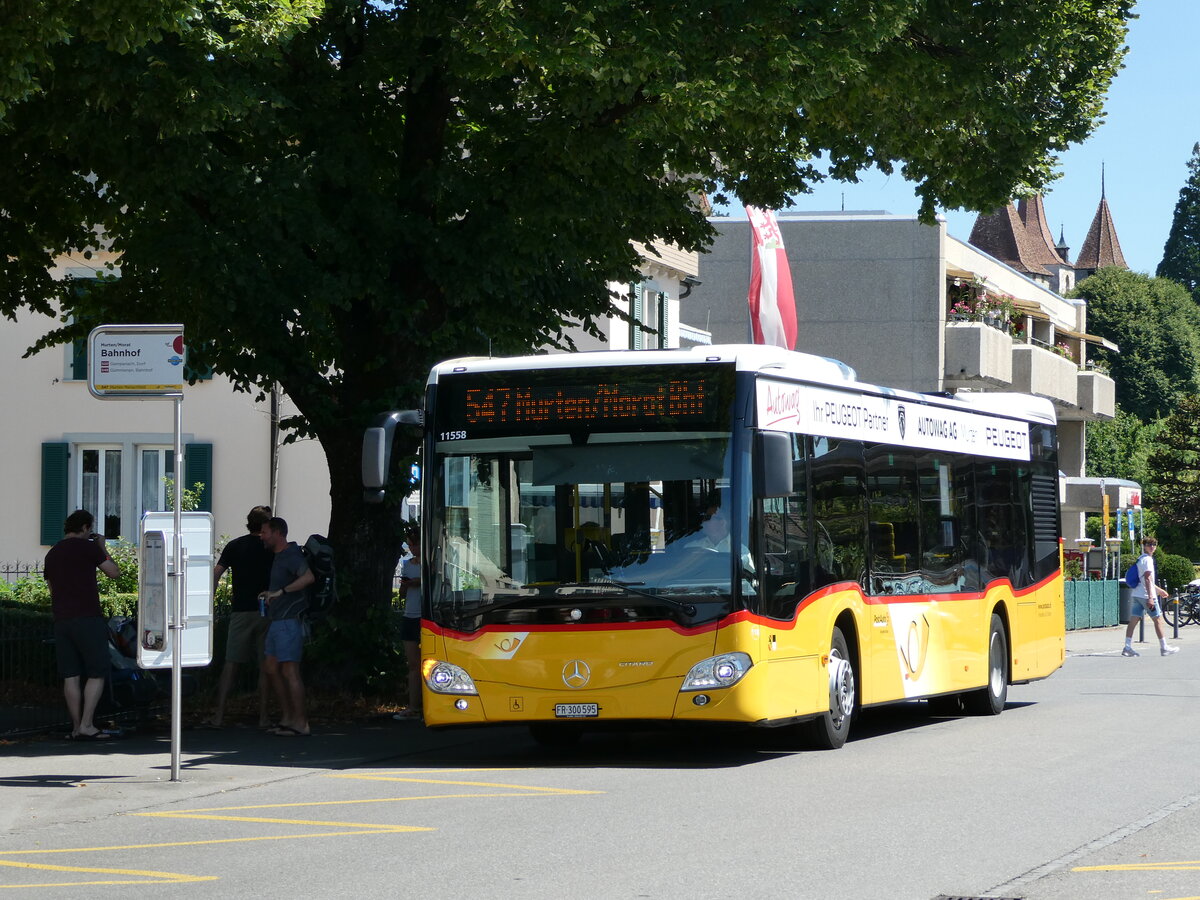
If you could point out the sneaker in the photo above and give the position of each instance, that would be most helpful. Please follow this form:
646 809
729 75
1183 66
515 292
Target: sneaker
1129 651
1167 651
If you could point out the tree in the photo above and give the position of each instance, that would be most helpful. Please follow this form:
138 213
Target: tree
1174 466
333 196
1120 447
35 31
1181 254
1157 327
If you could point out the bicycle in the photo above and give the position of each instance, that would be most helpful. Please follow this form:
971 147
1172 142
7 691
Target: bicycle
1184 605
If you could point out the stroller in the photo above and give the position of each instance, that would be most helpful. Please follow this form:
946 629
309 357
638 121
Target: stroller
131 691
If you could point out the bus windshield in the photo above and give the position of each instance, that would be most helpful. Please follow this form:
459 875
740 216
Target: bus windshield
542 530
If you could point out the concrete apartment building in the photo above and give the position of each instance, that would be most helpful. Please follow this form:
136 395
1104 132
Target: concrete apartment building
878 291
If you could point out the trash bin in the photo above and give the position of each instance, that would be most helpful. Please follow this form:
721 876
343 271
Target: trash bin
1125 603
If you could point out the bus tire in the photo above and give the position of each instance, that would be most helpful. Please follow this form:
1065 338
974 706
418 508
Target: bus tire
829 730
555 737
989 701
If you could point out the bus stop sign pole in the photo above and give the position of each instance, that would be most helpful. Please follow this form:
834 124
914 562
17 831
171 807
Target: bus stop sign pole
145 362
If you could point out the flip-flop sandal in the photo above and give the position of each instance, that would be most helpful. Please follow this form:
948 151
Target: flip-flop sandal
289 731
98 736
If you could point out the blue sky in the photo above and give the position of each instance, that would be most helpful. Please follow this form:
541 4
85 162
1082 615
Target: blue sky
1152 121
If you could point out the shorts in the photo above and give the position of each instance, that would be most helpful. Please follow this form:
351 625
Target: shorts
1138 609
285 640
247 634
410 629
81 646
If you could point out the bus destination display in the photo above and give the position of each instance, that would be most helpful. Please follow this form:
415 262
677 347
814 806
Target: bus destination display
632 398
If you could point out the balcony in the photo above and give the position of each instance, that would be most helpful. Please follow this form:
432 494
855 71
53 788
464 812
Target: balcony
978 356
1045 374
1097 396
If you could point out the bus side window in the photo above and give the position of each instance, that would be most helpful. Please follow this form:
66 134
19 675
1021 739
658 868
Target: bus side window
786 548
839 524
786 568
942 551
893 515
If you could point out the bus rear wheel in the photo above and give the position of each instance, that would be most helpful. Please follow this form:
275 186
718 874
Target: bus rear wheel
829 730
989 701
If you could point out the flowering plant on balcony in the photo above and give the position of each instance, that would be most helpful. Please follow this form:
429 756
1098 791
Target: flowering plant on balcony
963 311
1064 351
996 311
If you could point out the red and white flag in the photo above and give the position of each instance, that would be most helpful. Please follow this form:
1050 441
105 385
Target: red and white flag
772 304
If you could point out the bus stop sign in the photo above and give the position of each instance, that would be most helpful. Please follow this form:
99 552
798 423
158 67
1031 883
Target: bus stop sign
135 362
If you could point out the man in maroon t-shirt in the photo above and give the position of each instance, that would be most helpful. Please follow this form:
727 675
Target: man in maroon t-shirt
80 632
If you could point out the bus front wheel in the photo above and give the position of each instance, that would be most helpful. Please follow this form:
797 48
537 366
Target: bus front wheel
829 730
990 700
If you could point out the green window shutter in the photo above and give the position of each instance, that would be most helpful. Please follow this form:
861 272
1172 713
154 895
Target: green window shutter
55 478
637 339
197 466
79 359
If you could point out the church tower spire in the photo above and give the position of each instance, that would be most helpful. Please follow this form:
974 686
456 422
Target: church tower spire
1101 248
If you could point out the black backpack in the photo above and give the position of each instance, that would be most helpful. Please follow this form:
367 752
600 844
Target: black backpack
322 593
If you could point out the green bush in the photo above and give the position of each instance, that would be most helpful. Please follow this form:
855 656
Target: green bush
30 590
362 655
125 555
119 604
1176 571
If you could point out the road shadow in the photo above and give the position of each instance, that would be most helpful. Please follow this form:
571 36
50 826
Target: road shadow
382 741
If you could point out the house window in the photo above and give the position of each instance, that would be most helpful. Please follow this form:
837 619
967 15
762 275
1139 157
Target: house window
155 465
98 487
649 308
116 478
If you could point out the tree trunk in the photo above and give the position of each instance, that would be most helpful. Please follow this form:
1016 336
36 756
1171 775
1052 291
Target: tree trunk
360 647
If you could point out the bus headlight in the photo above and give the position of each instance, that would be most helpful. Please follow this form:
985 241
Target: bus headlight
447 678
717 672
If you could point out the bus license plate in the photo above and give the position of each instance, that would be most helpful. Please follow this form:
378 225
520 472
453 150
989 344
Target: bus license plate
576 710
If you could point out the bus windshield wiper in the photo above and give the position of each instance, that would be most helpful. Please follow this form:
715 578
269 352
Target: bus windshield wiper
681 605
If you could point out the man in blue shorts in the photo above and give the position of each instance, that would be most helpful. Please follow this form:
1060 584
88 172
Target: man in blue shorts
287 599
1146 597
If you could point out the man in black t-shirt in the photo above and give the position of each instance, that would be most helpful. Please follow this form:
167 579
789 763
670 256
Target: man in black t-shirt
80 631
250 563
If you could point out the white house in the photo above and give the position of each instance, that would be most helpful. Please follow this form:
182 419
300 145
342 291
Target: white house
63 449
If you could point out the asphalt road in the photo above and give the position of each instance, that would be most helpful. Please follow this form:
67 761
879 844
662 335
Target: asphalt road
1083 788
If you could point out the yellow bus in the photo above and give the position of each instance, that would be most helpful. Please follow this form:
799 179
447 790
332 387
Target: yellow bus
728 534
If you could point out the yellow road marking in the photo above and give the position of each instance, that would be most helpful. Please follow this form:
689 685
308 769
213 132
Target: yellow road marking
145 876
204 843
521 787
357 828
261 820
1182 866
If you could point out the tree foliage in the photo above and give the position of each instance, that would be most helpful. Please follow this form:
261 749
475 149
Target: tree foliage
1157 327
1174 466
334 195
1181 254
1120 447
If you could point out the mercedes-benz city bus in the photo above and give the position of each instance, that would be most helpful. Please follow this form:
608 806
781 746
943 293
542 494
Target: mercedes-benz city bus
727 534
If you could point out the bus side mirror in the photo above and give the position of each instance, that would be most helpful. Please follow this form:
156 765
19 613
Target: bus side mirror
377 450
772 464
